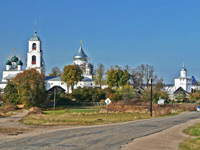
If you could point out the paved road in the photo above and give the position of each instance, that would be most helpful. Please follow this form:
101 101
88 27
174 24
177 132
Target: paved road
108 137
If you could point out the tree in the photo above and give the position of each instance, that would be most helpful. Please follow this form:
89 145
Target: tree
27 87
99 75
136 78
71 75
116 77
147 72
55 71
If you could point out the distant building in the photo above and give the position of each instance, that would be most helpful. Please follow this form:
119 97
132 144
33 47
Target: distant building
13 67
82 61
182 83
35 60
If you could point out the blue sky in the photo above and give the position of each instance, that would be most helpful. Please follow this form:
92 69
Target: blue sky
162 33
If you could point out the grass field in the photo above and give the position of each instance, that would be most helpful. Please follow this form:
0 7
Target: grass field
85 115
192 144
82 118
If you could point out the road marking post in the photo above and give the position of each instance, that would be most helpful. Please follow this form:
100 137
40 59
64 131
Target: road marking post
107 101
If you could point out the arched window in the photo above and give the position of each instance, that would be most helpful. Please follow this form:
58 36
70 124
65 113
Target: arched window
34 46
34 59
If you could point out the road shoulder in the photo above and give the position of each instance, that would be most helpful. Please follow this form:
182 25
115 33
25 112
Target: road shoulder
168 139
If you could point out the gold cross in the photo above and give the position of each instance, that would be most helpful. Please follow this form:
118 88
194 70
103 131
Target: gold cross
81 42
9 56
20 56
14 51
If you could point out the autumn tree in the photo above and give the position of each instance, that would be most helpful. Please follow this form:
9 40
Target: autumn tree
99 75
71 75
55 71
117 77
28 88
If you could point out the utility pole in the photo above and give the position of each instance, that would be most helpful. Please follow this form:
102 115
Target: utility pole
54 103
151 98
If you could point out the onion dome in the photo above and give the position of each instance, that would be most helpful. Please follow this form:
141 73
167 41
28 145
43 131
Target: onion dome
20 63
8 62
80 54
14 59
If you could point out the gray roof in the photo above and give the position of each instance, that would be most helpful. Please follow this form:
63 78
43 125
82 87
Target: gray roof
85 79
184 78
57 78
35 37
53 78
80 54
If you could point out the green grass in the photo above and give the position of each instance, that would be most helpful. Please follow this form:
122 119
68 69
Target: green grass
193 130
77 109
192 144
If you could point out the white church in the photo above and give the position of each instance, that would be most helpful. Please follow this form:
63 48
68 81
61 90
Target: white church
182 83
35 60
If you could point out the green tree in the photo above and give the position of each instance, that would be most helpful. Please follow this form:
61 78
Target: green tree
71 75
27 87
99 75
10 93
116 77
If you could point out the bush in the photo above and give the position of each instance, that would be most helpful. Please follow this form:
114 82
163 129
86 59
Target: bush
88 94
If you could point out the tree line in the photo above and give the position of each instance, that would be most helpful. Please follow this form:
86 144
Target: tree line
122 83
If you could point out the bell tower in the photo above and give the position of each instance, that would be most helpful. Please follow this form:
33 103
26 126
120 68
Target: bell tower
34 55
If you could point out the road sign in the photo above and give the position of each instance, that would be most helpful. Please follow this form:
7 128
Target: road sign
107 101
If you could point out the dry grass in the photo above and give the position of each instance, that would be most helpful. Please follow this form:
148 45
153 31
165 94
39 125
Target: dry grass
34 110
12 130
117 113
82 118
7 110
143 107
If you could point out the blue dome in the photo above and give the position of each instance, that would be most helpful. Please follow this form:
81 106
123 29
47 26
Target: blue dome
80 54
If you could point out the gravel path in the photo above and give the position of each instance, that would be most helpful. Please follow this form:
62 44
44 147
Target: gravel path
13 121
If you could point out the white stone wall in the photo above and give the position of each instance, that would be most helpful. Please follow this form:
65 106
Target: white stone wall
9 72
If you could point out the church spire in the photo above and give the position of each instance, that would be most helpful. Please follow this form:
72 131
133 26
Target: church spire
81 43
35 29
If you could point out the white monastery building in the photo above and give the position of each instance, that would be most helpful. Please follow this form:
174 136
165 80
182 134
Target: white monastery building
187 84
183 81
35 60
